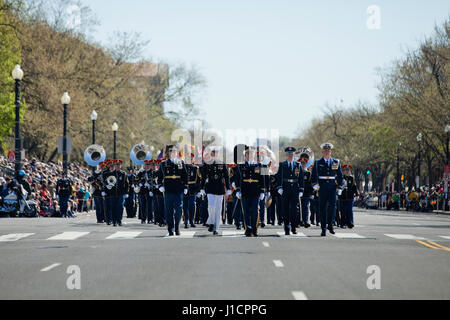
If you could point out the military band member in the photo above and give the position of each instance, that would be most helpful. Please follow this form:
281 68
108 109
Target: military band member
115 191
189 200
250 189
264 170
308 193
145 180
215 182
290 187
96 182
346 199
274 209
158 198
130 203
327 179
239 158
173 179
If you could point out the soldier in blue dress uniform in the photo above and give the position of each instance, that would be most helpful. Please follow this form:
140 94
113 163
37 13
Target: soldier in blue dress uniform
189 201
308 193
115 191
290 187
327 178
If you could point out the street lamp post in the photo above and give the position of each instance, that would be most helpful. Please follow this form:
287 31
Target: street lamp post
419 140
115 127
65 100
17 75
398 168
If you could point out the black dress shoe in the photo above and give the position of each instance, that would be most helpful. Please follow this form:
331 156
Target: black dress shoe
186 226
307 225
177 232
215 233
193 226
115 225
324 233
142 222
287 232
332 231
255 234
108 223
120 224
170 234
294 231
263 225
350 226
211 228
248 233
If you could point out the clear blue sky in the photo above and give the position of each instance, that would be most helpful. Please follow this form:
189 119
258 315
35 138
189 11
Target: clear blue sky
275 63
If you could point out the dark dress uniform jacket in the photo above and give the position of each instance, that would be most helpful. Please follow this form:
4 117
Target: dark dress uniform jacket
194 179
144 177
349 193
290 180
249 180
307 184
173 176
121 186
321 169
214 178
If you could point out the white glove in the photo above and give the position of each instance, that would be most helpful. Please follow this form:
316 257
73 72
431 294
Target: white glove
339 192
233 185
140 185
239 195
185 192
312 197
280 191
126 196
202 192
262 196
162 189
103 194
147 185
300 195
199 195
150 194
316 187
229 193
57 197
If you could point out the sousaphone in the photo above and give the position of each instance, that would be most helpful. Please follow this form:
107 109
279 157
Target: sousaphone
94 155
140 153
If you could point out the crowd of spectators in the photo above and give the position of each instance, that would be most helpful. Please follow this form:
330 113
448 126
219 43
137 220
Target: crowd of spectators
425 199
42 179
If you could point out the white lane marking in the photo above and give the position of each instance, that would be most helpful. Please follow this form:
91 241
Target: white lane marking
266 244
404 237
123 235
184 235
299 235
232 234
349 236
416 224
14 237
299 295
278 263
445 237
68 236
50 267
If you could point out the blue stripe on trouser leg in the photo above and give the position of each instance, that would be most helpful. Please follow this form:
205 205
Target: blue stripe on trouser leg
173 205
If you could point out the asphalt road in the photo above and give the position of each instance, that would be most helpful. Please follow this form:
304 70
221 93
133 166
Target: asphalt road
410 252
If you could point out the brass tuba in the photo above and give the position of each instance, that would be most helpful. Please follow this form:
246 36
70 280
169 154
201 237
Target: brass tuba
94 155
139 153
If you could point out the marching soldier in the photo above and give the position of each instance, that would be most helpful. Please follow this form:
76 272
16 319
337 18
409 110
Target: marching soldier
189 200
64 191
250 190
96 182
314 207
327 179
215 180
173 179
145 179
237 205
115 190
290 187
274 209
347 196
130 204
263 165
308 193
158 198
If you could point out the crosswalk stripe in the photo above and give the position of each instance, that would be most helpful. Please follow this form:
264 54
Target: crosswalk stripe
299 295
404 237
445 237
299 235
349 236
123 235
232 234
278 263
184 235
14 237
68 236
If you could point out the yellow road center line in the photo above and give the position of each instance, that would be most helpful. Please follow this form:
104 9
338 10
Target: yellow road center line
440 246
427 245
